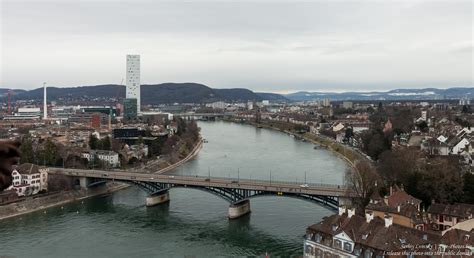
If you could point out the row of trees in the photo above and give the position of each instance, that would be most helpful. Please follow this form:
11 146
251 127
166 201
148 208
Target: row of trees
438 179
43 153
100 144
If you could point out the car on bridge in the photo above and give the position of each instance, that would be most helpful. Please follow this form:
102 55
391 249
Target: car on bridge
304 185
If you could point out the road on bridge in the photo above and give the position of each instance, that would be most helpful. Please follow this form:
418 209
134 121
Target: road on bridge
270 186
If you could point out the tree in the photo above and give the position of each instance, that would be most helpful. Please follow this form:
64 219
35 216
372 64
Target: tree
349 133
26 149
362 181
140 140
105 143
440 180
423 126
49 154
93 142
468 190
397 166
374 142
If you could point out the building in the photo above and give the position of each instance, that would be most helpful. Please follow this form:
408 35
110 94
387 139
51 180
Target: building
111 158
349 235
29 179
445 216
402 207
133 80
325 102
134 132
93 120
347 104
25 113
130 109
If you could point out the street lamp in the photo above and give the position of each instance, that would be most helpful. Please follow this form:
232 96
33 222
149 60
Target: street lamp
238 175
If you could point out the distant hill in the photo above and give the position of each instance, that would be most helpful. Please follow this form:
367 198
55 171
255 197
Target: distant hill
4 92
398 94
272 97
165 93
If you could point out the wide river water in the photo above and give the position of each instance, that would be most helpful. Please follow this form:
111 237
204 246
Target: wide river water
194 223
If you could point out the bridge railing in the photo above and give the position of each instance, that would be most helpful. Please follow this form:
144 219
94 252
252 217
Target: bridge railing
264 181
189 178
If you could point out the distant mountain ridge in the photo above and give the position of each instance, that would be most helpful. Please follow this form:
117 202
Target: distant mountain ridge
155 94
169 93
397 94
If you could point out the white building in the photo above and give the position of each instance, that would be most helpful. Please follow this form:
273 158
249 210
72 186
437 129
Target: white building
29 179
347 104
109 157
217 105
133 79
250 105
265 102
424 115
462 145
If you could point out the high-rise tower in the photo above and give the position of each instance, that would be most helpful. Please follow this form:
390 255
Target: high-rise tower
133 79
45 103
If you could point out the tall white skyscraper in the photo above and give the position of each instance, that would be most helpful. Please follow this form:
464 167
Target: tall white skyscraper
133 79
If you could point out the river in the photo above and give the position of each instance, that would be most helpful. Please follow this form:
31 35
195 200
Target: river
194 223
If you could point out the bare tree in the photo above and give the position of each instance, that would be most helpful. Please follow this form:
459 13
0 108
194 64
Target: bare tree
362 181
9 155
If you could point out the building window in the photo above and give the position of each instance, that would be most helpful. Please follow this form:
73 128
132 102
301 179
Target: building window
367 254
347 247
318 238
338 244
357 251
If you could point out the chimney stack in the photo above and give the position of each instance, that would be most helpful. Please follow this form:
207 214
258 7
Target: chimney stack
369 216
342 210
388 221
350 212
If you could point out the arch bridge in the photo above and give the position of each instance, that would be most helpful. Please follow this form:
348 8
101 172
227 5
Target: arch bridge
236 191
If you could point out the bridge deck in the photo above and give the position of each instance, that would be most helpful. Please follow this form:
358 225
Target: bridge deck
233 183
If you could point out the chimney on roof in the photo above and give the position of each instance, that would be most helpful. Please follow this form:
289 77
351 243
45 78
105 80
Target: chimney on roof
398 208
350 212
391 190
388 220
369 216
342 210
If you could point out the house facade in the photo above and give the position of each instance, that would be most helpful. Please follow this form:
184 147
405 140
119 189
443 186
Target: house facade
29 179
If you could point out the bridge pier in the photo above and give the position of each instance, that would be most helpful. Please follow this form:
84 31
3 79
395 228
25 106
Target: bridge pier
239 209
84 182
158 198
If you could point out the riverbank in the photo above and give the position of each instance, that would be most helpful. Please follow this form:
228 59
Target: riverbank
191 155
34 204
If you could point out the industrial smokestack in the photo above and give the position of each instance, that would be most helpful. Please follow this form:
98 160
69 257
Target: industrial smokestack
45 107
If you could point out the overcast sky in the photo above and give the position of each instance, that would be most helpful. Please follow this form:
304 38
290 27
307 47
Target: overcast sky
263 45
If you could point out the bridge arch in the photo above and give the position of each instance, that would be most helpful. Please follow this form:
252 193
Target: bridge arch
236 195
